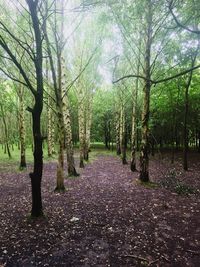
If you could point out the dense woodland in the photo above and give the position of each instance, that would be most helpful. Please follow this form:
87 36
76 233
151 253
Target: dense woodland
76 76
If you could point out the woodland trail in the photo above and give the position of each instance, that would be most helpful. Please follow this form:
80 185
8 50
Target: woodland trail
105 218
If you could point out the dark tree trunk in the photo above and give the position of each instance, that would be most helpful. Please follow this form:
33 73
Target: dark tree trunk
172 141
152 147
161 142
106 140
118 148
22 130
124 147
8 150
86 154
36 175
6 133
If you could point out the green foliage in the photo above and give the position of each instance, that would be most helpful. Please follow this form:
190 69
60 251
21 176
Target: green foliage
150 185
172 183
185 190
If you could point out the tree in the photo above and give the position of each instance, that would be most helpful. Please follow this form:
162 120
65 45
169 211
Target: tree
8 42
3 115
20 92
155 36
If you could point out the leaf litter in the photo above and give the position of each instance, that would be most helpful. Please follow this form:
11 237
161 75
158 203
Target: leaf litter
105 219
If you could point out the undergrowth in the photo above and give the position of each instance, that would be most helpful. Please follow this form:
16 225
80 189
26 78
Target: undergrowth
172 183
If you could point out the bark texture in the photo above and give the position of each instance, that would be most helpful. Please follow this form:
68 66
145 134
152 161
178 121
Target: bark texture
61 131
81 126
144 157
36 175
67 125
117 126
7 148
88 123
22 128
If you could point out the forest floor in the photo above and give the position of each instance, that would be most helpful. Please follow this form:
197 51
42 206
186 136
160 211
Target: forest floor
105 217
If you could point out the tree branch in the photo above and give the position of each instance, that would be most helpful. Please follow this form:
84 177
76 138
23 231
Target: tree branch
158 81
132 76
179 23
20 42
17 64
80 73
11 77
177 75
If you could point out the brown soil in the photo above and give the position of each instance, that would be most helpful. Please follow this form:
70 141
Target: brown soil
105 218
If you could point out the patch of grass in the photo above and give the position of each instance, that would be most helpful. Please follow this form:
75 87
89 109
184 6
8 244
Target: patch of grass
185 190
13 163
150 185
104 152
73 176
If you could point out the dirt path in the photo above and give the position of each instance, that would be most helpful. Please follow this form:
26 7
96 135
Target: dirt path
104 219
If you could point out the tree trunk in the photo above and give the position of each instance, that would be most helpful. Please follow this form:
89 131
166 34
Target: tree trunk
36 175
5 149
144 157
6 132
124 146
60 165
123 137
118 148
88 123
50 129
121 127
134 129
67 125
134 137
61 130
69 143
81 128
22 129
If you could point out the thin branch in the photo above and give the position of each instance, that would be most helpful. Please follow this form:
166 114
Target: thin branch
179 23
81 72
177 75
158 81
20 42
132 76
11 77
17 64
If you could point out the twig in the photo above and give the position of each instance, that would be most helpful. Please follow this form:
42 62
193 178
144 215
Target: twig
134 257
193 251
152 262
164 258
149 263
